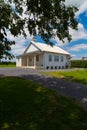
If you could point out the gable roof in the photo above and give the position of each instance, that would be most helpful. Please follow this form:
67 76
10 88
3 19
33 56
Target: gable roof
47 48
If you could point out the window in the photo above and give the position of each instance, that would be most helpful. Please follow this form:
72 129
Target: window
50 57
59 67
30 59
56 58
61 58
37 57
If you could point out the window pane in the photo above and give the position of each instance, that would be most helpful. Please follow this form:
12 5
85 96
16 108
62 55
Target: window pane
61 58
50 57
56 58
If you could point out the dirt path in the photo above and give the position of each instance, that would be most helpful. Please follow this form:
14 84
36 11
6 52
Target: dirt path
68 88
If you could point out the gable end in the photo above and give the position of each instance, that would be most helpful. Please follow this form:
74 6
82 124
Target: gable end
31 48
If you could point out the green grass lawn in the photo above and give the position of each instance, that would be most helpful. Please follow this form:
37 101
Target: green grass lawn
25 105
77 75
7 66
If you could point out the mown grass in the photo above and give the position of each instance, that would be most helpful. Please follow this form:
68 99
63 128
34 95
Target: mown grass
77 75
25 105
7 66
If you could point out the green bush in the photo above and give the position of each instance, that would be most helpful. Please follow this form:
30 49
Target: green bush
7 63
79 63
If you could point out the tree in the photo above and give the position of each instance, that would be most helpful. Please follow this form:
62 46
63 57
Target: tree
48 18
9 21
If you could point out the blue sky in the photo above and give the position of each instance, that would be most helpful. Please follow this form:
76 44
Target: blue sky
77 47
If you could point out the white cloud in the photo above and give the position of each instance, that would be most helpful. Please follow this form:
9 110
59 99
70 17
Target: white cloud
18 48
81 33
78 47
82 8
80 4
20 41
76 57
76 3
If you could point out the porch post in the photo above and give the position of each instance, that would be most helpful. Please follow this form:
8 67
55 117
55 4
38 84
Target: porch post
43 60
27 60
34 60
22 61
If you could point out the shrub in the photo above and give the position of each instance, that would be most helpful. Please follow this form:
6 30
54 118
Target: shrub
79 63
7 63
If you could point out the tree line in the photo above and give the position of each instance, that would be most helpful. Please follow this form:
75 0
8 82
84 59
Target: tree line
79 63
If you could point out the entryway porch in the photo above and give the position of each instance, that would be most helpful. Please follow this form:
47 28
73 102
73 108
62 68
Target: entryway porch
32 60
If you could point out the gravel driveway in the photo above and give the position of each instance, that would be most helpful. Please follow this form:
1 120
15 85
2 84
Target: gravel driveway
75 90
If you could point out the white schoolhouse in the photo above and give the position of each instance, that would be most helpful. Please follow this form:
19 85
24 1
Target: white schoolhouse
38 55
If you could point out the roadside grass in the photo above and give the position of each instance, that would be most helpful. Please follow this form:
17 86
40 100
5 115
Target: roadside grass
7 66
25 105
77 75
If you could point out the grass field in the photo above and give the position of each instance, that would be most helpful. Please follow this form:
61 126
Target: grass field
25 105
77 75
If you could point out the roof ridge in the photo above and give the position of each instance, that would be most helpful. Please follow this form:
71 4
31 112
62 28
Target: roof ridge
48 48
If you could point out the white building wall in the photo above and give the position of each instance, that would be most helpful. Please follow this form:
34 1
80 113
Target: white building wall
43 61
32 48
19 62
55 64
